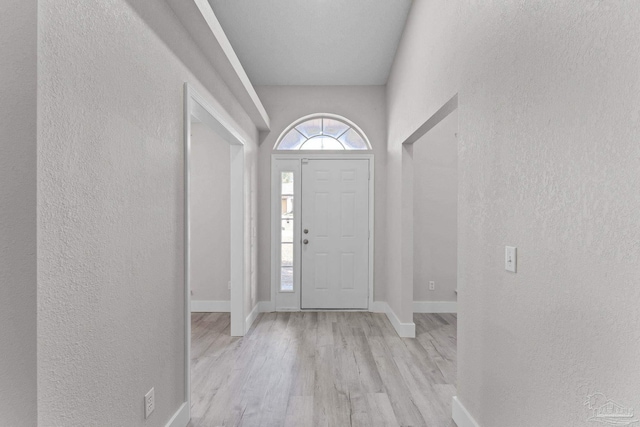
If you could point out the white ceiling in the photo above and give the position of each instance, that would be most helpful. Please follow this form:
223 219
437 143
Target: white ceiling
314 42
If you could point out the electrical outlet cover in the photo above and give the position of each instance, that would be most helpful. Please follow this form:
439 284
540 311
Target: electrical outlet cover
149 403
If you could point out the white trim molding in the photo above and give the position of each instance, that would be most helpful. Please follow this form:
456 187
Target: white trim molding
181 417
209 306
435 307
460 415
404 330
198 18
266 306
378 307
197 107
251 318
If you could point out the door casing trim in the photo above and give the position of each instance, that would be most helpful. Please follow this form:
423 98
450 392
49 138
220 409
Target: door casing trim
197 106
277 161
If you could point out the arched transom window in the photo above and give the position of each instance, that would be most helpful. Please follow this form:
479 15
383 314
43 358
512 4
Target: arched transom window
323 132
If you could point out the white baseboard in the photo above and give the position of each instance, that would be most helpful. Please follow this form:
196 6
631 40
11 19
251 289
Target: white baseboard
405 330
266 306
207 306
269 306
378 307
435 307
460 415
181 417
251 318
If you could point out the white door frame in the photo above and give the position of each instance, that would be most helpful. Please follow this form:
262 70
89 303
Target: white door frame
195 106
278 159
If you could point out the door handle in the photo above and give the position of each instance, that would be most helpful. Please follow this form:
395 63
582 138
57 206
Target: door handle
305 241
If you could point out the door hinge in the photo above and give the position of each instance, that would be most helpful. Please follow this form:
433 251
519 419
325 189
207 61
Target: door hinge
305 161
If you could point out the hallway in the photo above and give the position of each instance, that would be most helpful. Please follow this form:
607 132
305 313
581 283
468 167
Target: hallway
323 369
503 185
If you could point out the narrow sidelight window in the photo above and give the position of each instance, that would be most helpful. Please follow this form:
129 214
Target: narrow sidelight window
286 233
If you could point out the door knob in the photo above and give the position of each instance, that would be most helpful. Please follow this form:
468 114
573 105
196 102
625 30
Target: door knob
305 241
306 231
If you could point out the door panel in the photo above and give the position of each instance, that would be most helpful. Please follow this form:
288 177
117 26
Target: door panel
347 270
335 214
321 262
320 214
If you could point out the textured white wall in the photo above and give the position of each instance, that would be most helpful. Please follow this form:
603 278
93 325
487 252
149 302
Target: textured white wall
365 106
549 161
397 293
423 78
18 130
210 215
435 204
110 206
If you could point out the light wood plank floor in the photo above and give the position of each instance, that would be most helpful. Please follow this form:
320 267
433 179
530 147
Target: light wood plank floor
329 369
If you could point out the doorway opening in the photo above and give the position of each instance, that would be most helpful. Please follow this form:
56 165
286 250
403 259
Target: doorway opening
430 181
430 215
435 218
205 122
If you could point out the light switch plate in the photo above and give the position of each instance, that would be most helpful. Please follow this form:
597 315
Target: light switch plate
510 258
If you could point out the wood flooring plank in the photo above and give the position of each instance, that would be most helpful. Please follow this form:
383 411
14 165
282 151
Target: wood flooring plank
422 394
299 412
366 365
450 318
381 410
303 381
405 410
325 329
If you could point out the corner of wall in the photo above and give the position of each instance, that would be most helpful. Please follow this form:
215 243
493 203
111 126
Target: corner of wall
460 415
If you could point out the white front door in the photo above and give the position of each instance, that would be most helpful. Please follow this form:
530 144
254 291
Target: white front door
335 234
